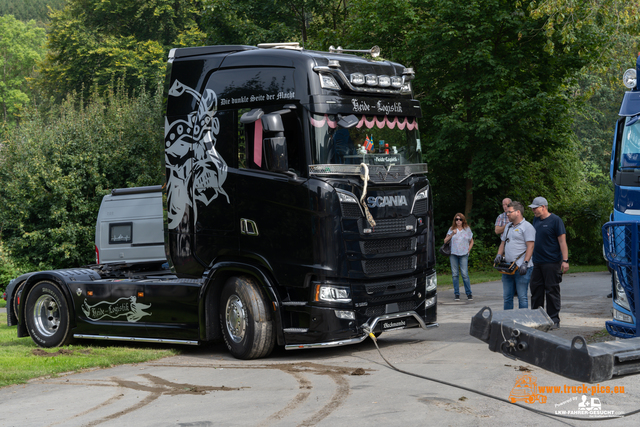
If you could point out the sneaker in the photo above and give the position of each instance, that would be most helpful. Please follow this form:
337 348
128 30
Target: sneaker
456 298
555 326
470 297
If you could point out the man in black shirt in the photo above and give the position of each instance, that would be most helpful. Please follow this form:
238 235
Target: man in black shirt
550 259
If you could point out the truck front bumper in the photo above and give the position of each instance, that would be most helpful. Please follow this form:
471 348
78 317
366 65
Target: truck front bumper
387 322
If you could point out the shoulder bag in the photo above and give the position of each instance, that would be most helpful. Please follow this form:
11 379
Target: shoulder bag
446 248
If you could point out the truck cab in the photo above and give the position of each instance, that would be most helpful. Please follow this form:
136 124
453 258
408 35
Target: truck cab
620 234
308 167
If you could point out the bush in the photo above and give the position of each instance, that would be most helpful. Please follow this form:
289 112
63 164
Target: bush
54 171
8 270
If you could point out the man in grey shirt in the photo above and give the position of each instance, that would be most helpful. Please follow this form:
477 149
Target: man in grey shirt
518 240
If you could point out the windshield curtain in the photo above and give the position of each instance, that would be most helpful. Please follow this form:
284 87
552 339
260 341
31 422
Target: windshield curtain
383 140
630 146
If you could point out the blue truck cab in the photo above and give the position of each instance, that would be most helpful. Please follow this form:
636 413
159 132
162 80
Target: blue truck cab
620 235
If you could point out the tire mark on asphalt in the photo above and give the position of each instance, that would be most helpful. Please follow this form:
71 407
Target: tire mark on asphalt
336 373
144 402
294 403
107 402
338 398
158 388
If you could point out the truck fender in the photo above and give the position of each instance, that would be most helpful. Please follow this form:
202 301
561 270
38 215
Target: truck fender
215 279
12 291
64 279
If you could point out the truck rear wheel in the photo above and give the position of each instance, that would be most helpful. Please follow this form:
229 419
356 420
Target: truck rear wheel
47 315
245 318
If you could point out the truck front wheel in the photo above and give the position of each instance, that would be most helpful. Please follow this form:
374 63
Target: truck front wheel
245 318
47 315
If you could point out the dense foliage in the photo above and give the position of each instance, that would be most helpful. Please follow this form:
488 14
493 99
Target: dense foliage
519 100
54 171
93 42
26 10
21 47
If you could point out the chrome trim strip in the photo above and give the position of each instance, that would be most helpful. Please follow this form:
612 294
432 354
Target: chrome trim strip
136 339
366 327
334 169
395 316
326 344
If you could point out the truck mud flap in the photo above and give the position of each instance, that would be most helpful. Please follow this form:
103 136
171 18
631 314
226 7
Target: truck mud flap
521 335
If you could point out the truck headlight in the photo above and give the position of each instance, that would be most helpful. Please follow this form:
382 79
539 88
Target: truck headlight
617 315
331 293
621 296
343 314
422 194
432 283
345 197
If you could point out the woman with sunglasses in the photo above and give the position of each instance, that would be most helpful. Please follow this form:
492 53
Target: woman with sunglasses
461 238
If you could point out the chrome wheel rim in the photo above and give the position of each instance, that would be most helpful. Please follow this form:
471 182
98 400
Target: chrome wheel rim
46 315
235 318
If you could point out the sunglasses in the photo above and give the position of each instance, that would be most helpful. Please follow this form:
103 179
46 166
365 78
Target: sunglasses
510 212
458 219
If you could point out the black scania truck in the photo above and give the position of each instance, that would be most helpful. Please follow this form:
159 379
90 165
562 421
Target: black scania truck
297 211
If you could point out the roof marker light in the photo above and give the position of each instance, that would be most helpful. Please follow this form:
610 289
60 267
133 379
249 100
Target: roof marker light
384 81
371 79
357 79
396 82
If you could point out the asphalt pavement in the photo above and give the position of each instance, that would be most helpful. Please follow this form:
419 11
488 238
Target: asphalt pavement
344 386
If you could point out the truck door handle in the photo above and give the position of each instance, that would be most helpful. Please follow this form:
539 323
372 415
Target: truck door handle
248 227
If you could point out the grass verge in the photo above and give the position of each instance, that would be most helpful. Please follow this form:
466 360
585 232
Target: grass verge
22 360
445 281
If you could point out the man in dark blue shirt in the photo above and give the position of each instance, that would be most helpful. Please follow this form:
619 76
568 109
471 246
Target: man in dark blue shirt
550 259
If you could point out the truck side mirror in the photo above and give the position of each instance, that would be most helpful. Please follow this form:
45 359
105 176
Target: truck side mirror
348 122
251 116
275 148
276 153
272 123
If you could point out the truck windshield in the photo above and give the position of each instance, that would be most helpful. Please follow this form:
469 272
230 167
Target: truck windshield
630 145
375 140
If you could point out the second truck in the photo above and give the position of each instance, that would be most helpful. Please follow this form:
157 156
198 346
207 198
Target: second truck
297 209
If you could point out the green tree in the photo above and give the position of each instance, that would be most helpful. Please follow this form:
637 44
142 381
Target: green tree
26 10
54 171
93 42
21 47
309 22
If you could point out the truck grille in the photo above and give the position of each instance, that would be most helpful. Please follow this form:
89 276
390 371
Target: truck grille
389 265
397 286
420 208
387 226
373 247
350 210
379 310
392 297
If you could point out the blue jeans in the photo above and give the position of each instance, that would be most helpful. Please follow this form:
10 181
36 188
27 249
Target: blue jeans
516 282
460 263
